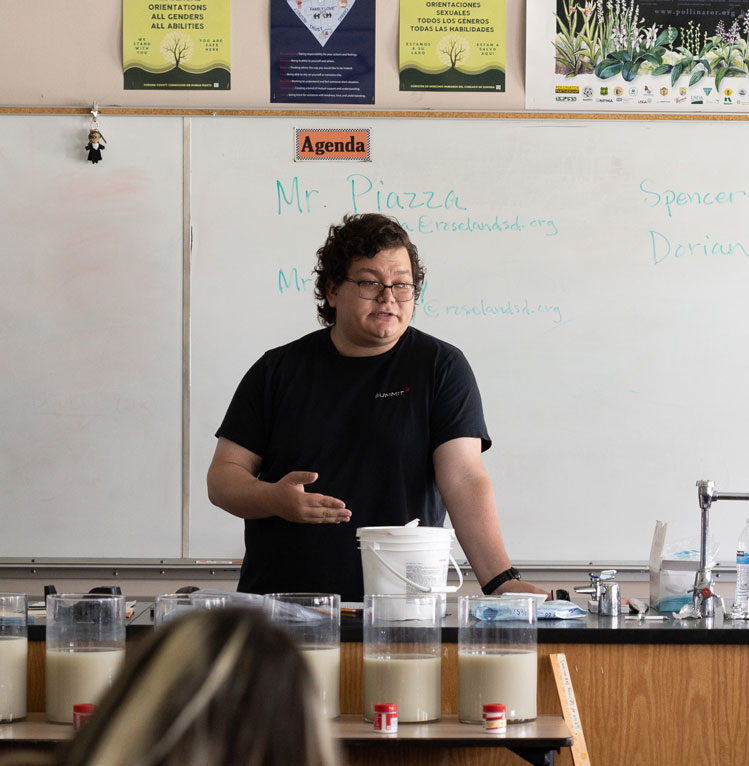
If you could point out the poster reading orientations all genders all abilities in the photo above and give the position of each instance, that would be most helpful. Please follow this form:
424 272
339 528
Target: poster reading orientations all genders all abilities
176 45
452 45
322 51
638 55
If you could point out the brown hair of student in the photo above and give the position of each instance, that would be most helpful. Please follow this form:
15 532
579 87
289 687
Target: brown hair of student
215 688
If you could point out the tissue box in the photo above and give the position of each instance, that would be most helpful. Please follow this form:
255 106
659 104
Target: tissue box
671 584
671 579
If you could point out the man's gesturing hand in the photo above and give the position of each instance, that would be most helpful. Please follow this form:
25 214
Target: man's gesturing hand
307 507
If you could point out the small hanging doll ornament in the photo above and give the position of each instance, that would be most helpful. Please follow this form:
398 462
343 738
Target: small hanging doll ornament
96 141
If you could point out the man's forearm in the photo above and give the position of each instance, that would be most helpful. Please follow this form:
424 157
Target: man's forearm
476 522
233 485
467 490
238 492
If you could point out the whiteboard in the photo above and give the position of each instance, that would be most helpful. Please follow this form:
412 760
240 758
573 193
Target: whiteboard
594 272
605 317
90 338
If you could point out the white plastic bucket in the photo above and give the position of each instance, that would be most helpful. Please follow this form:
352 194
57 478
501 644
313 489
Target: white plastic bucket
409 559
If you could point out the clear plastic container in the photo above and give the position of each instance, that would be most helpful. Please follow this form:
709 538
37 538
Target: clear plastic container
14 649
497 657
85 640
314 621
402 661
170 606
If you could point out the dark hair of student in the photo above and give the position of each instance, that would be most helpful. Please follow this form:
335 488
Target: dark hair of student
214 688
359 236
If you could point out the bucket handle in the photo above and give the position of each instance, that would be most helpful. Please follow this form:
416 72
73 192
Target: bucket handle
419 586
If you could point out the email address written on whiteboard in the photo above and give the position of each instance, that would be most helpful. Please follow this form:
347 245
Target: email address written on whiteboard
422 212
290 281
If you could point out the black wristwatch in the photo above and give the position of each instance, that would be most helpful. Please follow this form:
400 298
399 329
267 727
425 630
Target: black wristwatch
502 577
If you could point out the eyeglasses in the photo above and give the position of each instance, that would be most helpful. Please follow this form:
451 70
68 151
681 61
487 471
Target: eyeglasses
402 291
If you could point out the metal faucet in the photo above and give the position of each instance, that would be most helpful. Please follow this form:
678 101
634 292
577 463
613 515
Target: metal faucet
703 593
605 592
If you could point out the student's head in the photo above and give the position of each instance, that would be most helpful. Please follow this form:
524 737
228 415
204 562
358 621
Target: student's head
360 237
215 688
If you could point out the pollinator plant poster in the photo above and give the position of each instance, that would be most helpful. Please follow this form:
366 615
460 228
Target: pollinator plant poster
638 55
452 45
176 45
322 51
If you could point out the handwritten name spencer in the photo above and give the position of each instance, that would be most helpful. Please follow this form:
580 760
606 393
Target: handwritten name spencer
669 199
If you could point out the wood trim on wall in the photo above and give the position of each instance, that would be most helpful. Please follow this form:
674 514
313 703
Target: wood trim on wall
368 114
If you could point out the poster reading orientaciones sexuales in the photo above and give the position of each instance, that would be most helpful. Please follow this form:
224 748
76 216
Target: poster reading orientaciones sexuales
638 55
452 45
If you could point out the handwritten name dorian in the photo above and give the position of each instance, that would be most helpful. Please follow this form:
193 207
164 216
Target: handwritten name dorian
665 246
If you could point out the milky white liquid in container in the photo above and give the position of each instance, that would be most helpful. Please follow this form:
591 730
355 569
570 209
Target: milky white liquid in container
13 663
507 677
78 676
325 665
411 681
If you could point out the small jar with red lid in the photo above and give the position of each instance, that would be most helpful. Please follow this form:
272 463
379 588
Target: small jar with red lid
82 711
495 718
386 717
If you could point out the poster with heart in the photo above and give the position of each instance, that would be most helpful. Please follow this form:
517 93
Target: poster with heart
322 51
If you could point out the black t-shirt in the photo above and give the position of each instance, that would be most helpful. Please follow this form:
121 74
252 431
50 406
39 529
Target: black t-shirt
368 426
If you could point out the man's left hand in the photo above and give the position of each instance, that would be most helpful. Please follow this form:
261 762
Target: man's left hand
520 586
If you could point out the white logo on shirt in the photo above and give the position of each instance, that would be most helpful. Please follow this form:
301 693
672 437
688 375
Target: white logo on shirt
387 395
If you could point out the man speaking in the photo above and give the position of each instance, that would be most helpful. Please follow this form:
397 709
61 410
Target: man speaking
368 422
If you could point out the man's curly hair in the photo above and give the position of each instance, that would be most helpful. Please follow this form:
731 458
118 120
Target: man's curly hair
358 236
